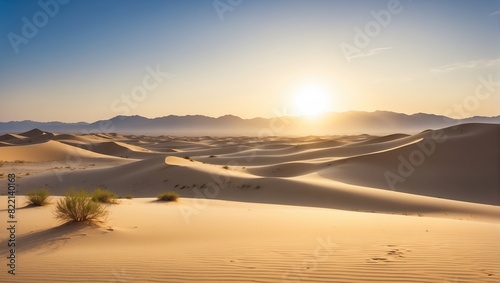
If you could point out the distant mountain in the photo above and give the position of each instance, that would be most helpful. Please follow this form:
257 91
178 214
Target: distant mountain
22 126
352 122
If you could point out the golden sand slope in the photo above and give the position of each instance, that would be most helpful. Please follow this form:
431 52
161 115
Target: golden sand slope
47 151
220 241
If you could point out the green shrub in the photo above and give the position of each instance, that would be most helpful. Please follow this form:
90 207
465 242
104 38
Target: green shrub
168 196
78 206
38 198
104 196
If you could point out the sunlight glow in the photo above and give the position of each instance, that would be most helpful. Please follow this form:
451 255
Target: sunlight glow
312 101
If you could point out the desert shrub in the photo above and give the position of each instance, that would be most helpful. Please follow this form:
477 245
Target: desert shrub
104 196
168 196
226 167
78 206
128 196
38 198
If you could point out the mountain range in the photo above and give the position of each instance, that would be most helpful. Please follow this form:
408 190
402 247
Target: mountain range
351 122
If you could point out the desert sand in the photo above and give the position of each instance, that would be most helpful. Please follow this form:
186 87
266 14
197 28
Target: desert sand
397 208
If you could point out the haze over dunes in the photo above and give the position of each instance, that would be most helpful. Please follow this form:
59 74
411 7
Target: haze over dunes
351 122
366 206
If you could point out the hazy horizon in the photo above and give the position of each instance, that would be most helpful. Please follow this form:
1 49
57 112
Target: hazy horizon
250 118
73 61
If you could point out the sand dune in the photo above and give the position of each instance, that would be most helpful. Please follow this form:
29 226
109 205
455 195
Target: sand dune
276 209
33 133
384 139
248 242
70 137
446 168
215 150
254 157
10 137
48 151
91 138
121 150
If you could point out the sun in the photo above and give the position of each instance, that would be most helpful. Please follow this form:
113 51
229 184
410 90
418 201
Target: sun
312 101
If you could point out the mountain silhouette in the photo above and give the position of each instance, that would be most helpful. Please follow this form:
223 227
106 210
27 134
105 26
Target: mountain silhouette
351 122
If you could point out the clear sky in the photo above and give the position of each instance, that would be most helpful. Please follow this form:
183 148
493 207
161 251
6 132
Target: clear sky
90 60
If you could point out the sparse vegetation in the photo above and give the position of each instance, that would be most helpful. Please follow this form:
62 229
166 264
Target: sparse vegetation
128 196
38 198
104 196
226 167
78 206
188 158
168 196
212 156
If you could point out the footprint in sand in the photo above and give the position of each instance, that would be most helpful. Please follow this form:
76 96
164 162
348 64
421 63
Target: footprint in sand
487 272
391 255
395 253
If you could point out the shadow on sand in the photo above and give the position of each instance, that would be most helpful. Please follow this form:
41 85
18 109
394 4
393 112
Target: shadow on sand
48 241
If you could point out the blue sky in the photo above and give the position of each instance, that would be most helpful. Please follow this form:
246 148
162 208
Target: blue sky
251 60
